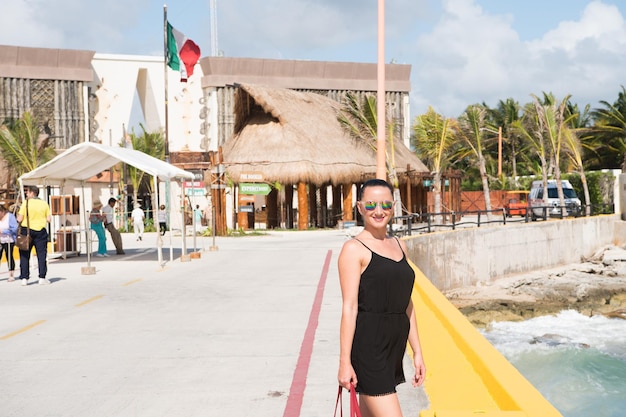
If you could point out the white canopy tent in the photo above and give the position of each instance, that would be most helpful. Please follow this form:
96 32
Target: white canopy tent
85 160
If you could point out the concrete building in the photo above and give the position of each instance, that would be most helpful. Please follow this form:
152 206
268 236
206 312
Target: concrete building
86 96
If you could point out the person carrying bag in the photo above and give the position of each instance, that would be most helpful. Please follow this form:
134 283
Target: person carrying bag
36 212
22 241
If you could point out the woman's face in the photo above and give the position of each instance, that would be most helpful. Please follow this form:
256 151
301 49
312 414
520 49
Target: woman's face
376 206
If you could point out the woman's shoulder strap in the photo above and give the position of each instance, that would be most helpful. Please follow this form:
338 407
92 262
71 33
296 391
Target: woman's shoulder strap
358 240
401 248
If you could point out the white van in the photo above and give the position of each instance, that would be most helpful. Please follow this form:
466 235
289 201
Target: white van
551 206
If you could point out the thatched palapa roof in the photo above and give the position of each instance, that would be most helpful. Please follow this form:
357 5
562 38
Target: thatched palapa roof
293 137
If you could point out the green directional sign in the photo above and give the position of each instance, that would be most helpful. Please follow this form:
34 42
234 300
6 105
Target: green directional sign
257 188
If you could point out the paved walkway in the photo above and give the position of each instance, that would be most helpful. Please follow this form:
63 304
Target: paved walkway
249 329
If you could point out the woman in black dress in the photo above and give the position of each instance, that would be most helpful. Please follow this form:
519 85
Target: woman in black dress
377 315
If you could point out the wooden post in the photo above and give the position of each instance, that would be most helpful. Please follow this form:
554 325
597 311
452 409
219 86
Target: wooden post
324 206
288 206
347 202
408 189
336 212
314 212
271 205
218 192
303 207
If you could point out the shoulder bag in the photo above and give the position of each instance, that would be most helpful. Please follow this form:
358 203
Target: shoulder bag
23 241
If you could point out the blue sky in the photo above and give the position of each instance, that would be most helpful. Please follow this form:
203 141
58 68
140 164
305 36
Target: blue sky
461 51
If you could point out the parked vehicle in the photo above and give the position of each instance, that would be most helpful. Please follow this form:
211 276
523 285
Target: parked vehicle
551 206
517 205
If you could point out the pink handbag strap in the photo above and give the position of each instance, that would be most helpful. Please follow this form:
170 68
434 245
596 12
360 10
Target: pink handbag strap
355 411
339 403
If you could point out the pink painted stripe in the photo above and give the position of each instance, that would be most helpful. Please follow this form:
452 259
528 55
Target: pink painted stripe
298 383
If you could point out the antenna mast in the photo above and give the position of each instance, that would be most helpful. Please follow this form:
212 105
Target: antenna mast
213 8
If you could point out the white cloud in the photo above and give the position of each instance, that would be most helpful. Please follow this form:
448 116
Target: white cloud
21 25
460 54
472 56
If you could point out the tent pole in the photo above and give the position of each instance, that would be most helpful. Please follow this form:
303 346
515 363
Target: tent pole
168 209
183 255
155 205
87 234
193 214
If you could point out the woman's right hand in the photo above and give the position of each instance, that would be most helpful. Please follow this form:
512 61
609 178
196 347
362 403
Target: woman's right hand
346 375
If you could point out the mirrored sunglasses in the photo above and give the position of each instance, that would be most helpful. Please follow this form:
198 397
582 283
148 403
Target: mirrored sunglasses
371 205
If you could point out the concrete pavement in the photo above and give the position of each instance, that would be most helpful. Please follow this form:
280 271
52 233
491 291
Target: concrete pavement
249 329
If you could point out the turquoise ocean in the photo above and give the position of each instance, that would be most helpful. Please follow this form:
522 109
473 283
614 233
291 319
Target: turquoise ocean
577 362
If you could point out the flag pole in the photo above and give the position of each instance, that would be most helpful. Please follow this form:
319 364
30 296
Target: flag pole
167 147
381 146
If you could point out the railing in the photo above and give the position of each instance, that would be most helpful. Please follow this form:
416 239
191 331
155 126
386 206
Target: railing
430 222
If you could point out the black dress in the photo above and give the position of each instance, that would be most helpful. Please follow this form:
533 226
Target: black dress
382 326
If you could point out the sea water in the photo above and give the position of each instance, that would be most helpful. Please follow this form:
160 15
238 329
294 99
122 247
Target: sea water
577 362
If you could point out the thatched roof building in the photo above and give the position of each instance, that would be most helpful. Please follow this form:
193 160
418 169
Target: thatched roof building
294 137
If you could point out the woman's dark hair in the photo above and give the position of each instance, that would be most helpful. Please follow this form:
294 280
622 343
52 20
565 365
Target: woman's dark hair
3 208
376 182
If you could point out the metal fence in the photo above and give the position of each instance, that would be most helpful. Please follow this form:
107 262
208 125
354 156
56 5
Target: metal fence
416 223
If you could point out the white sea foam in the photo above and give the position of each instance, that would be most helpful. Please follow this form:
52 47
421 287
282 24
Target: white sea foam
577 362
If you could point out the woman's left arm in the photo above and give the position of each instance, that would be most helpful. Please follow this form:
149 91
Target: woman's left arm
414 341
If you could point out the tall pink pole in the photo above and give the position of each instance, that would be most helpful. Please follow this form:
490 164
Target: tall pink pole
381 167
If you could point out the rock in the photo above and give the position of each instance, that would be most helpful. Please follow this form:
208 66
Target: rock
551 339
585 287
616 314
614 255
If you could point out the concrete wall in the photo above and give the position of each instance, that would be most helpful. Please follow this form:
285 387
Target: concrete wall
465 257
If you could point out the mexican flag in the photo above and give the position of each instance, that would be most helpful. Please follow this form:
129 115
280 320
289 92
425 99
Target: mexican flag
182 53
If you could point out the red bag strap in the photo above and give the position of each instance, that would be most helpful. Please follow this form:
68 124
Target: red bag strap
355 411
339 403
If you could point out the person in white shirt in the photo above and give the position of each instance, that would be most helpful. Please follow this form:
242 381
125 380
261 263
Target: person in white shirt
108 224
138 216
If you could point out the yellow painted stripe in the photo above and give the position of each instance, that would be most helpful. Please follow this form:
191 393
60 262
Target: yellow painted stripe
132 282
22 330
97 297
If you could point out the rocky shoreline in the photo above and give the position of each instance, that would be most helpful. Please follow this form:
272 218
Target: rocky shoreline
596 285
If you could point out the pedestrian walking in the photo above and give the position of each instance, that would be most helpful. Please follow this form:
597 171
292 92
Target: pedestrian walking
138 217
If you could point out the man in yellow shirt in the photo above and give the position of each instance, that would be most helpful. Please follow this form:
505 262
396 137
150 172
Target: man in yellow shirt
34 214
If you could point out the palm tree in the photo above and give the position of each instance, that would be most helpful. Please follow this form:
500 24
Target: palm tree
553 118
505 115
610 130
152 144
23 146
573 150
433 136
530 129
470 130
360 119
